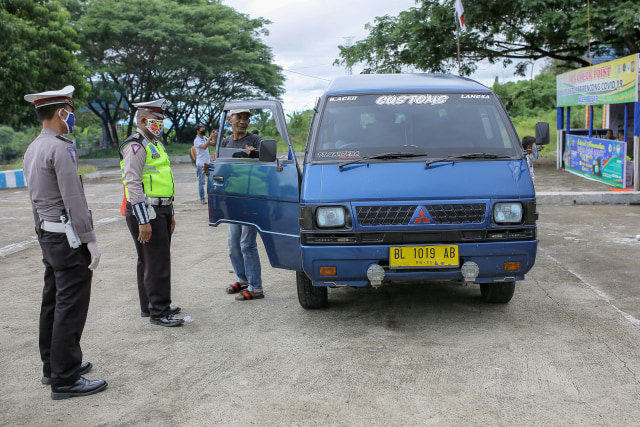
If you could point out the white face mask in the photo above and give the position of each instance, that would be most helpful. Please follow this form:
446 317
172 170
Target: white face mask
155 126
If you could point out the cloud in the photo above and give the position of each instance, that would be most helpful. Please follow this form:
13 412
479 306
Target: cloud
304 36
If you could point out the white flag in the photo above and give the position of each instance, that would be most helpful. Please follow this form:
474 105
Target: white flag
459 11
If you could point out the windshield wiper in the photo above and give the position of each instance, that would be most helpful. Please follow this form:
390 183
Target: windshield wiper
384 156
453 157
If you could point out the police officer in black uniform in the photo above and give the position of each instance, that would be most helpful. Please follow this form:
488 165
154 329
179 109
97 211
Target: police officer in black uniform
70 252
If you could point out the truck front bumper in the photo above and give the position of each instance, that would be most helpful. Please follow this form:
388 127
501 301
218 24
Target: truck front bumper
351 263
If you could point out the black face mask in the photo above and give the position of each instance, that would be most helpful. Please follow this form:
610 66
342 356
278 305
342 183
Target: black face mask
201 131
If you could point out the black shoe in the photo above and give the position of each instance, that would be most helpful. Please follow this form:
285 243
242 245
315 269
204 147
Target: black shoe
84 368
174 310
168 320
82 387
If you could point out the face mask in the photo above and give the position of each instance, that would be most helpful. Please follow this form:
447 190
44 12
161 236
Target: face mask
70 121
155 126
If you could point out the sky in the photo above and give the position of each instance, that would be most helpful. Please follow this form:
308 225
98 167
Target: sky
305 34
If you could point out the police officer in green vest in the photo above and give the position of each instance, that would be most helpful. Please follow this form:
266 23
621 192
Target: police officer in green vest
149 188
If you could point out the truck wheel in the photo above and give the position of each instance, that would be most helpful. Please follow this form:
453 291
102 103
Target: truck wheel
500 293
309 296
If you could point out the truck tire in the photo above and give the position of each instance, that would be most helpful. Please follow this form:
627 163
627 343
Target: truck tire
309 296
497 293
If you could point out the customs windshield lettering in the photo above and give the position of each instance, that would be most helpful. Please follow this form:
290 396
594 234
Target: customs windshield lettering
412 99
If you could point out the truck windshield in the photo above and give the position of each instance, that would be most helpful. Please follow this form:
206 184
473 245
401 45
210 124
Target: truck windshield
439 124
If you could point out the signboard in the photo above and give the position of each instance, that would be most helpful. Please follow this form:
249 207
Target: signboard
598 159
612 82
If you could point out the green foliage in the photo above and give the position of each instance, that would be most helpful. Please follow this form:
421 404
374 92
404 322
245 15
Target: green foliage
298 128
196 53
112 153
36 54
526 126
88 130
13 144
109 153
528 97
424 37
299 124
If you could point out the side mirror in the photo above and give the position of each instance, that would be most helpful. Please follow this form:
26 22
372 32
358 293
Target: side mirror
542 133
268 150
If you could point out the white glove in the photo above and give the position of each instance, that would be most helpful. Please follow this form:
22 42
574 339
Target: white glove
95 255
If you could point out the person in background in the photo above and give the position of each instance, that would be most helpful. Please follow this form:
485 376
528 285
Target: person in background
149 188
609 134
202 144
69 246
243 249
621 135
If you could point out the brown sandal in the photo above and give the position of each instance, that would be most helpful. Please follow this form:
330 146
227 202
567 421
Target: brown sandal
247 295
236 287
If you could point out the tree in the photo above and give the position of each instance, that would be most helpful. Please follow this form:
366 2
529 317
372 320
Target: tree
528 97
37 49
517 31
195 53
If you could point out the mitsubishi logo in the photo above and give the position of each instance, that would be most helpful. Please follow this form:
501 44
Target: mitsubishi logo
421 218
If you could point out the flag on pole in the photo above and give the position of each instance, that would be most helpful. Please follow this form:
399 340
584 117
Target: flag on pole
459 11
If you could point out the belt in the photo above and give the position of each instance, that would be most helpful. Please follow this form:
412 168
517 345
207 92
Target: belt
53 227
160 200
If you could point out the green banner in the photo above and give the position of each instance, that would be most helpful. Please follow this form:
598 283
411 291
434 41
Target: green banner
612 82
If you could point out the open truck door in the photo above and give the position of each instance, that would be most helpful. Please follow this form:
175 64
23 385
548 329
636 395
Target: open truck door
263 192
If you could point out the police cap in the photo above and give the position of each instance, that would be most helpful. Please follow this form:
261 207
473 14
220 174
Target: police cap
156 107
51 97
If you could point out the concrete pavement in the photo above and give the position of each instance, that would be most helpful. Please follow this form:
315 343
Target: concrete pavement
564 351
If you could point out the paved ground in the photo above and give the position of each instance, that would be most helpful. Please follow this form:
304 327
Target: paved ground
563 352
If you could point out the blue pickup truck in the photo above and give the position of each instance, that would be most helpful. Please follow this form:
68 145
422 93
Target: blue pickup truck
405 178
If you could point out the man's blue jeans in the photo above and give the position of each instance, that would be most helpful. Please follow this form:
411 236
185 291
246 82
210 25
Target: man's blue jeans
243 251
202 179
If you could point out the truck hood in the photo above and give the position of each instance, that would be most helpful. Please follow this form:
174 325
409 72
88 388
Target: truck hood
407 181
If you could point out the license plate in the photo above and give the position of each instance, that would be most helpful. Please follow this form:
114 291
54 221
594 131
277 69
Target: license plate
424 256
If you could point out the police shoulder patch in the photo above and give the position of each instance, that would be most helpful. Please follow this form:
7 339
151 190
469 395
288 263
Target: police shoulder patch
72 153
135 148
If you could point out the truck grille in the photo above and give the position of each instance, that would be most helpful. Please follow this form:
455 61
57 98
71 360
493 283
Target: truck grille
466 213
457 214
385 215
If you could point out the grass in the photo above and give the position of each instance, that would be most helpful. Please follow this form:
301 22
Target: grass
82 169
526 126
175 149
85 169
17 164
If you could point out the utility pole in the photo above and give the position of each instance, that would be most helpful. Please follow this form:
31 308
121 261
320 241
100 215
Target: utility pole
348 40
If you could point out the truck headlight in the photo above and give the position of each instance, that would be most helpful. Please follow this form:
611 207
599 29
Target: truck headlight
507 213
330 216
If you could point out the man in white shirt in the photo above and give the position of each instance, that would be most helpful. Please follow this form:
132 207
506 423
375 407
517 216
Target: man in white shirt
202 144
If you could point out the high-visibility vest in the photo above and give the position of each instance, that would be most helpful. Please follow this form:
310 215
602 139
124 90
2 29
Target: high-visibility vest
157 177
